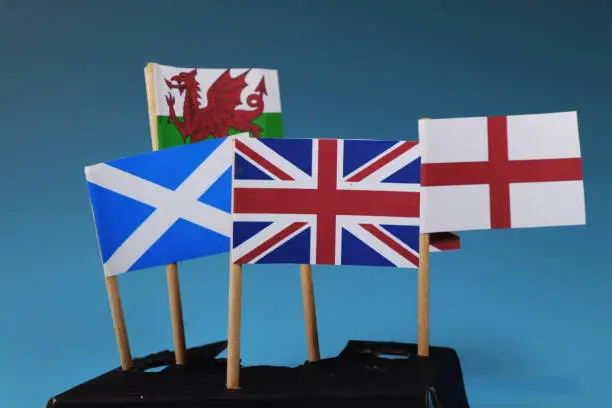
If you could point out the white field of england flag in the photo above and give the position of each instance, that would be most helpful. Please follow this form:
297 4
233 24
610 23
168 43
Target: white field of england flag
163 207
501 172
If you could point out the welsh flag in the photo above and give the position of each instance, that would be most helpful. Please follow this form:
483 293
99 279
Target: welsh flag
501 172
195 104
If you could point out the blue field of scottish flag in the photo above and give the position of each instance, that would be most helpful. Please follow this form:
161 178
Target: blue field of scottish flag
163 207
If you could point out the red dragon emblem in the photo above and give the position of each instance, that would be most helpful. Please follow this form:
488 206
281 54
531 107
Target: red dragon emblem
220 113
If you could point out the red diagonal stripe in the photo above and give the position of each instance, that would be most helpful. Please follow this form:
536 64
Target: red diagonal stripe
270 243
383 161
385 239
259 159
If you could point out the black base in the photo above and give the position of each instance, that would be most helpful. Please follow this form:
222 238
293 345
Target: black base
361 372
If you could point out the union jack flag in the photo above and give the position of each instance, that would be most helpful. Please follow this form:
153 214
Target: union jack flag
328 202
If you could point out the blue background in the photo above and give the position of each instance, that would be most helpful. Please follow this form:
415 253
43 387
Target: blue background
527 310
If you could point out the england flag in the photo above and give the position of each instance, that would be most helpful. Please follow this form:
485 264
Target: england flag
516 171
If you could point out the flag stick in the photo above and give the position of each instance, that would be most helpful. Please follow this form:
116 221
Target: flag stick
233 333
174 289
234 310
312 336
423 288
176 313
423 296
114 299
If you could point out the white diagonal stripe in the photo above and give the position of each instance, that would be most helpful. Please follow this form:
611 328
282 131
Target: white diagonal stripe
373 181
279 223
302 181
265 232
135 246
170 205
402 160
256 240
181 203
378 246
264 151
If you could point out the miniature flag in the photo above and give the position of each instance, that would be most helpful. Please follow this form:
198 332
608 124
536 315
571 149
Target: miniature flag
326 201
162 207
195 104
501 172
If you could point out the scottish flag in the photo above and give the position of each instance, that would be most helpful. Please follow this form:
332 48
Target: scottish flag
163 207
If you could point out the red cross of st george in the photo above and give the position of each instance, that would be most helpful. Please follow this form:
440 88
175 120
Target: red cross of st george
499 172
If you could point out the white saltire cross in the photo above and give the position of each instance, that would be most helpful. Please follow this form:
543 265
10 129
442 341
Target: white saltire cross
170 205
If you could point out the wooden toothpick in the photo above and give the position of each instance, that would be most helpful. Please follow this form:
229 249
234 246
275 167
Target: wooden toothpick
174 289
114 300
312 336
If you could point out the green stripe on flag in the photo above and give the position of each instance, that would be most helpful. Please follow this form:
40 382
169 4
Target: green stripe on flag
169 136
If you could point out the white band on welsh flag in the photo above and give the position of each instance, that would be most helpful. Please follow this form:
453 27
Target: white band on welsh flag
206 77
